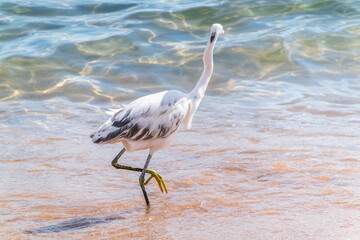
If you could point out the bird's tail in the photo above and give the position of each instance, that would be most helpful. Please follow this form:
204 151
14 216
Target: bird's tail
95 137
100 134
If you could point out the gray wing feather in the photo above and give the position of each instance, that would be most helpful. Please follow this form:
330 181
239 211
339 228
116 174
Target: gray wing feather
150 117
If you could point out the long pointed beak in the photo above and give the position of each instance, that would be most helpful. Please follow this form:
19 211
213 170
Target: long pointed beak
212 37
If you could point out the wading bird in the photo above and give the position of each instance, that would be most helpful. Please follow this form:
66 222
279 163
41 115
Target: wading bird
152 121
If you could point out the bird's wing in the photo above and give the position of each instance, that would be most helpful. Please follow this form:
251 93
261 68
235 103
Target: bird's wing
112 111
150 117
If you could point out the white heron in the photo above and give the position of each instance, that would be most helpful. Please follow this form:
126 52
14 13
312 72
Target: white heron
151 122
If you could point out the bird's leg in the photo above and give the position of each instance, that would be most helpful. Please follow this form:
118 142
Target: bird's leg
115 164
154 174
142 178
158 178
114 161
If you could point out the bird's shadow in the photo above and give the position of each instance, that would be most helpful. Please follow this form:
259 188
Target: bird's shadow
73 224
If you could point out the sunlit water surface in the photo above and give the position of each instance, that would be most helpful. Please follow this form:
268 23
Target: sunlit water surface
274 148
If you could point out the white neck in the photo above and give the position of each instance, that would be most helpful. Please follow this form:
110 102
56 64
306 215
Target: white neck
198 92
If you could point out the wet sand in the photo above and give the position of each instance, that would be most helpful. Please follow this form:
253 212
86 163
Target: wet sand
229 178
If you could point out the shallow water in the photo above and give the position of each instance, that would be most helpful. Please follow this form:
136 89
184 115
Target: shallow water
273 151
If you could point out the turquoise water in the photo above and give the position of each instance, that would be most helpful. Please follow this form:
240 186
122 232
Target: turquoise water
273 151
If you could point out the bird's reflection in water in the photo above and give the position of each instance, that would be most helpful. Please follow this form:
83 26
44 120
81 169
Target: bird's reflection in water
74 224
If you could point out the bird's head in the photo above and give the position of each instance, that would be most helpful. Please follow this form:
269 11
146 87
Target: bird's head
216 31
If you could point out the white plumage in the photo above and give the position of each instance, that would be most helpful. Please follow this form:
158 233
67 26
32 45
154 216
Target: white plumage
152 121
146 123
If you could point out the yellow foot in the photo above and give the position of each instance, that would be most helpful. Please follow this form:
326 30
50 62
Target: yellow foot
158 178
